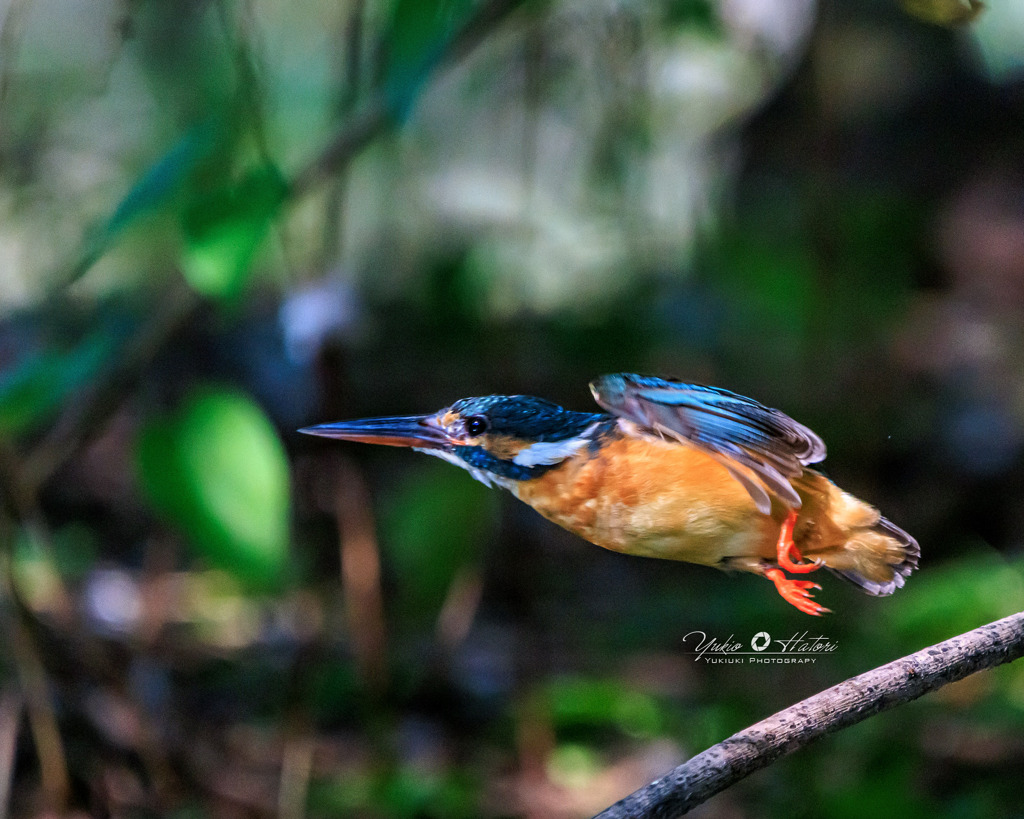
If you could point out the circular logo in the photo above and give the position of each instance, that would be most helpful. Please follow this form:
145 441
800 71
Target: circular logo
761 641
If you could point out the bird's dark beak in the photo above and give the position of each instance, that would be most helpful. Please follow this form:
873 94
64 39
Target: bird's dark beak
421 431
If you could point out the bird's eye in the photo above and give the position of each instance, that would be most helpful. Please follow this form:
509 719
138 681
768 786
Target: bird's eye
476 425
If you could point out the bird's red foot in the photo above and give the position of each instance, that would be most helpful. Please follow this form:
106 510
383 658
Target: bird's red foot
796 592
788 554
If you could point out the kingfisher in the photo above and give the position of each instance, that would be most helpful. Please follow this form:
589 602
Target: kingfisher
670 470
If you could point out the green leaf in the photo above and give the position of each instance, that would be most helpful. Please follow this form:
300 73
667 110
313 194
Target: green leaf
161 188
217 471
33 391
420 30
944 12
697 15
224 229
161 183
34 571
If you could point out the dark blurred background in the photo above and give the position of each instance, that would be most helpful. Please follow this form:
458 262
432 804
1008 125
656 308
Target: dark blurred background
221 220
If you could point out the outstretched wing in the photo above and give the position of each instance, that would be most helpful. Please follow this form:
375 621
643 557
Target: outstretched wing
761 447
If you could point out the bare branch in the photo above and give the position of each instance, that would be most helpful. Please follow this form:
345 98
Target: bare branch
841 706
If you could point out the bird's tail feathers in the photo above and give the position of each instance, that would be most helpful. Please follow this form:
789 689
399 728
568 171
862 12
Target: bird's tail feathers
887 556
866 549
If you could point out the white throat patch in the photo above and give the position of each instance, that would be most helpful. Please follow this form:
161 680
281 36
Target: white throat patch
552 452
482 475
547 452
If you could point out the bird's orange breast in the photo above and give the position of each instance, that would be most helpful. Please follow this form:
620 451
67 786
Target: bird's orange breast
650 497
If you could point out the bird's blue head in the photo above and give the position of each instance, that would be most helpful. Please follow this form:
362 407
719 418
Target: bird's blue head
500 439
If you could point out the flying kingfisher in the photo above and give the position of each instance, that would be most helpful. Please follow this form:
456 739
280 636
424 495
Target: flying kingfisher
672 470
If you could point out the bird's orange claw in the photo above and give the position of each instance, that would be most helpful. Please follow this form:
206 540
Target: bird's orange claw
796 592
786 549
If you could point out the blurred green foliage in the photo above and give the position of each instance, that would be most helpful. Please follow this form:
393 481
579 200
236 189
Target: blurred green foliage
221 221
583 703
420 30
944 12
405 794
167 180
423 548
216 469
33 391
224 228
962 594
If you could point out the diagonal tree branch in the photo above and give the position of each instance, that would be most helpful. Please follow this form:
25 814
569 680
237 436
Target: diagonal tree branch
841 706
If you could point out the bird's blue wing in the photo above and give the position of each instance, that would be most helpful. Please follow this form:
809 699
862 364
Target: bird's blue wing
763 448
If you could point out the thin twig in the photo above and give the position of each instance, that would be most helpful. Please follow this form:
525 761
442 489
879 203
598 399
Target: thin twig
296 769
80 423
42 716
377 116
360 576
460 607
841 706
33 680
350 73
11 706
11 26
